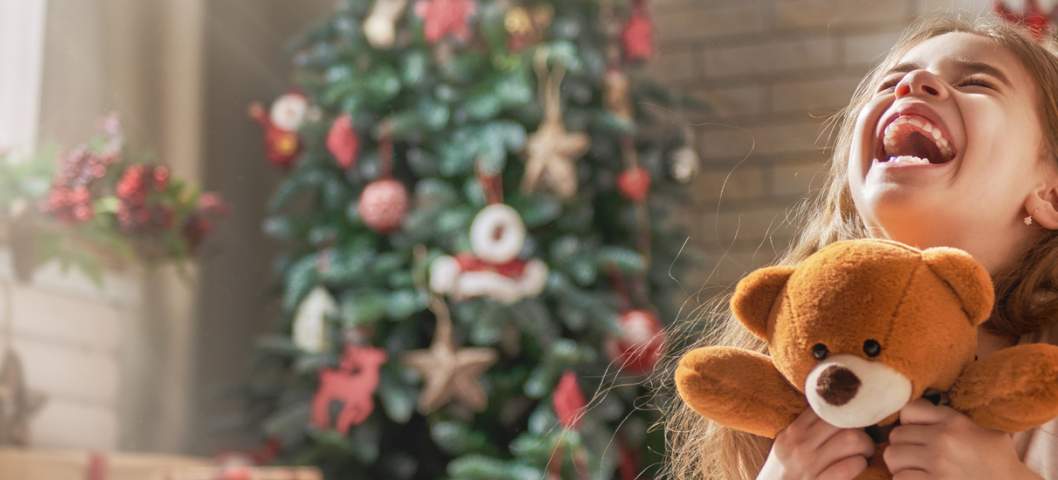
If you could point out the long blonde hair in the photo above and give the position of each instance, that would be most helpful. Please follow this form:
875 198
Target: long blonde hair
1026 293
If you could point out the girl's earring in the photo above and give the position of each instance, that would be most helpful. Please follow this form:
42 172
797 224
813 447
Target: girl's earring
1028 220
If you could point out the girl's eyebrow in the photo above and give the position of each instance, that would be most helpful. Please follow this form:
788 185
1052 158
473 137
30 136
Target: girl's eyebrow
960 65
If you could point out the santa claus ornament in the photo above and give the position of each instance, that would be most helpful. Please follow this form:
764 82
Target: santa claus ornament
380 27
637 348
352 385
492 269
1037 16
281 124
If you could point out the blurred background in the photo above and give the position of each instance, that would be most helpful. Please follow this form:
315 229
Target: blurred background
141 362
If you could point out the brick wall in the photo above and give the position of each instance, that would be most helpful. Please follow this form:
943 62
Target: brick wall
772 71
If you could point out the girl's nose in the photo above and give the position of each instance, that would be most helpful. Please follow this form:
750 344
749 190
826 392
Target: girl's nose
921 83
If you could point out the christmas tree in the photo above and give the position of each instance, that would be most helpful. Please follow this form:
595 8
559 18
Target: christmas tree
477 246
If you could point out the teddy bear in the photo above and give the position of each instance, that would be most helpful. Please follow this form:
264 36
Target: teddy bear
856 331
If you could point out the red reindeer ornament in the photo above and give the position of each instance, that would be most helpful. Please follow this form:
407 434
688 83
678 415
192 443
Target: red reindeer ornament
281 123
352 384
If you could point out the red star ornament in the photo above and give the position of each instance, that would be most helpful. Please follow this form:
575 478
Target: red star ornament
352 384
443 18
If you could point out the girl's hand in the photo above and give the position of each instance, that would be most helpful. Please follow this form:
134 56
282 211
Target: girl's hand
811 448
940 443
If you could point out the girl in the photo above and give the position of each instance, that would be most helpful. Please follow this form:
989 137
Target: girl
986 182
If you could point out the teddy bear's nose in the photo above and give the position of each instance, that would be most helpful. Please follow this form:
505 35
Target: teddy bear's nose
837 385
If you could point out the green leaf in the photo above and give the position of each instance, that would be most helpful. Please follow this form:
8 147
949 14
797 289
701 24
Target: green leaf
363 307
397 398
299 281
457 438
413 67
404 303
627 260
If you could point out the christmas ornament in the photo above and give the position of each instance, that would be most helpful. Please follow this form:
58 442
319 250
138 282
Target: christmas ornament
526 27
639 344
282 143
634 184
380 25
568 401
310 321
551 149
450 373
352 384
17 402
637 36
343 142
492 270
1035 15
685 164
443 18
383 204
617 89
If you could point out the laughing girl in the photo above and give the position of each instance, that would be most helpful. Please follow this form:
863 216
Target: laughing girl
951 141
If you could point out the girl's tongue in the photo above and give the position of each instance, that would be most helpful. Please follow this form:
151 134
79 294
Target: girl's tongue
915 137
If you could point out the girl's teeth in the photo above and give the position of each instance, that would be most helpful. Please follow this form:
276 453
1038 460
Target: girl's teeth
908 159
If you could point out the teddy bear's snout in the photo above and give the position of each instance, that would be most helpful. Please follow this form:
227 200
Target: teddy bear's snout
849 391
837 385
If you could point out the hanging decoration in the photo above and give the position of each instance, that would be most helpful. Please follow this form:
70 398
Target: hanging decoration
639 345
310 321
384 202
568 401
492 269
617 95
444 18
1037 16
552 150
380 25
634 183
527 26
450 373
281 124
637 36
343 142
352 384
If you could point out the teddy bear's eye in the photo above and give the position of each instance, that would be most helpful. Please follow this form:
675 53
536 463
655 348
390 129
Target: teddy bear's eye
819 351
872 348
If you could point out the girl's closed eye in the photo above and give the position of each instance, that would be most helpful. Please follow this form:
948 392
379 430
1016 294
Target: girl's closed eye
977 81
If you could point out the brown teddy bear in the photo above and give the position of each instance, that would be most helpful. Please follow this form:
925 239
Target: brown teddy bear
858 330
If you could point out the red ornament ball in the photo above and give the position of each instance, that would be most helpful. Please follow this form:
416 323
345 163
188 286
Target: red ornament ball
634 184
383 204
639 345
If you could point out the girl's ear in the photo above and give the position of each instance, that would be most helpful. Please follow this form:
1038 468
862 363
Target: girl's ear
756 293
1042 205
966 277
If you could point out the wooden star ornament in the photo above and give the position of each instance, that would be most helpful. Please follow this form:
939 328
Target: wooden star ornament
551 149
449 373
17 403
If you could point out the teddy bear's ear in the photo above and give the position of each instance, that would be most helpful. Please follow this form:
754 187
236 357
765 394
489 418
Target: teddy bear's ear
966 277
756 293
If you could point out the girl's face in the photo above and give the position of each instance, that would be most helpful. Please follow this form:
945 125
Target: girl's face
949 148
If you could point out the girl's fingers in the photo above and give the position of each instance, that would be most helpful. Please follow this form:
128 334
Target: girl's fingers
912 435
818 433
840 446
923 411
844 469
911 475
805 420
906 457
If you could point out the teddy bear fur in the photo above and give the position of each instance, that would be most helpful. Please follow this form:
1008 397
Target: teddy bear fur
921 307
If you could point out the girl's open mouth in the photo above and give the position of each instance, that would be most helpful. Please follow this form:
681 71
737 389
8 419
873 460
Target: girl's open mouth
912 139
